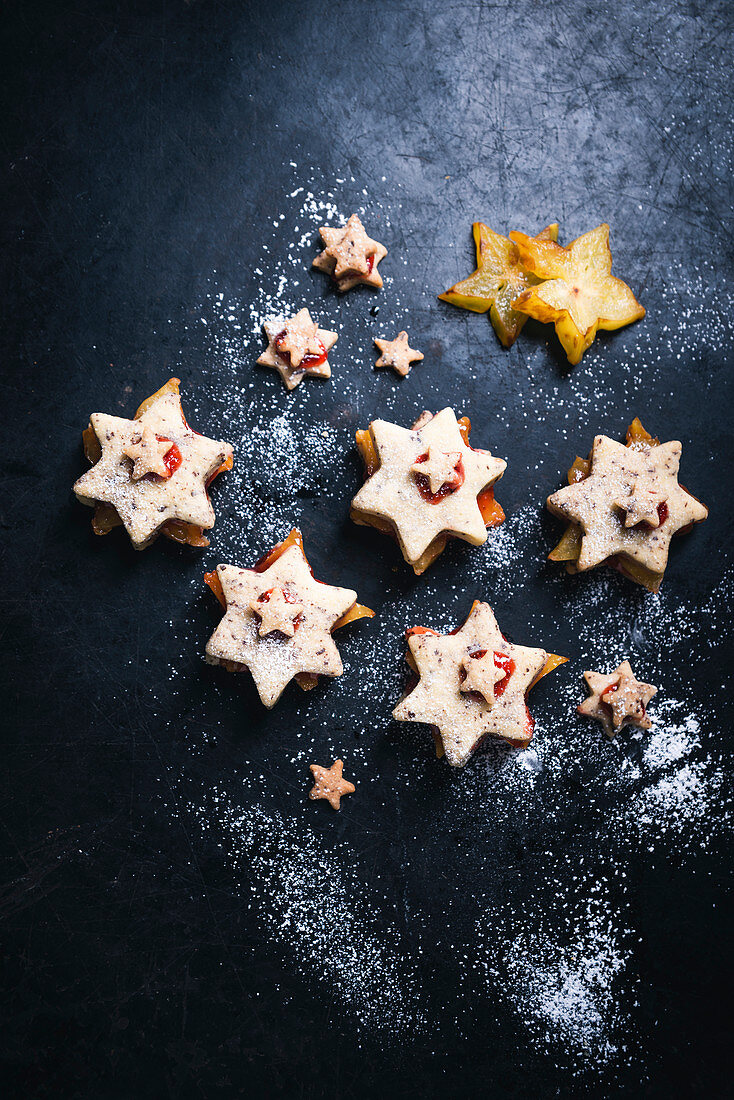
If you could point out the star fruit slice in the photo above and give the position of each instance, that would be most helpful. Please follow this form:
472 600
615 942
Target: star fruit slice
579 294
498 279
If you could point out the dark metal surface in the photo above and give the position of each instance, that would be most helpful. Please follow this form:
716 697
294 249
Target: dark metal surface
148 148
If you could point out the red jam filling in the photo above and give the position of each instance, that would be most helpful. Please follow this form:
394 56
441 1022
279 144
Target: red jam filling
172 458
506 663
662 512
370 264
289 596
424 485
310 359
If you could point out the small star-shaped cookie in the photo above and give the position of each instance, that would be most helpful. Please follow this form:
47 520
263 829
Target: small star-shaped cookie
617 699
424 511
482 673
464 716
622 484
329 784
152 473
397 354
579 294
147 454
279 610
297 347
350 256
293 641
498 280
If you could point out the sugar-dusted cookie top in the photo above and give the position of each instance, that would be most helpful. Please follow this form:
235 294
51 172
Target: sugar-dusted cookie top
278 620
297 347
629 504
350 256
472 684
152 473
617 699
425 484
397 354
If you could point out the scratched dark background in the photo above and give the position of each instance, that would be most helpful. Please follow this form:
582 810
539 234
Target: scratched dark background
144 144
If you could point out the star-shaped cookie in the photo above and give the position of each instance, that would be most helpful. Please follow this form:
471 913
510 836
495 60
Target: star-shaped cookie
617 699
295 640
329 784
493 704
350 256
147 495
297 347
625 486
397 354
399 497
578 294
499 278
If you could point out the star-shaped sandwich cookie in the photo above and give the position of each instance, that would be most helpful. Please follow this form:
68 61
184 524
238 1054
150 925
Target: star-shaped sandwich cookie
152 473
617 699
426 484
297 347
578 293
499 278
329 784
278 620
350 256
628 505
472 684
397 354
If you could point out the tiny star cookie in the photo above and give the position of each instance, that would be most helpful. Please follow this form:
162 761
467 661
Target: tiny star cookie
426 484
329 784
350 256
297 347
279 620
625 504
466 704
397 354
151 474
617 699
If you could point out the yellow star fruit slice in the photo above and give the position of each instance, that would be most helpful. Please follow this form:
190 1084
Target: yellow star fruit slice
498 279
580 295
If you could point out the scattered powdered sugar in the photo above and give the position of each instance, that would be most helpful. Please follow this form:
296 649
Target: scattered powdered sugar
318 911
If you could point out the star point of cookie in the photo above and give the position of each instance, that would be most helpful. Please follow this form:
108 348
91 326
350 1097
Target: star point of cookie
499 278
351 257
465 705
426 484
297 347
626 505
397 354
279 620
617 699
578 293
151 474
329 784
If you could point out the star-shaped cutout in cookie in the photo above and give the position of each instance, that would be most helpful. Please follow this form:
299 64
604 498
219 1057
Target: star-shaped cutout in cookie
397 495
481 673
147 452
329 784
463 717
595 503
147 505
278 610
578 294
641 500
499 278
275 658
350 256
617 699
297 347
397 354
